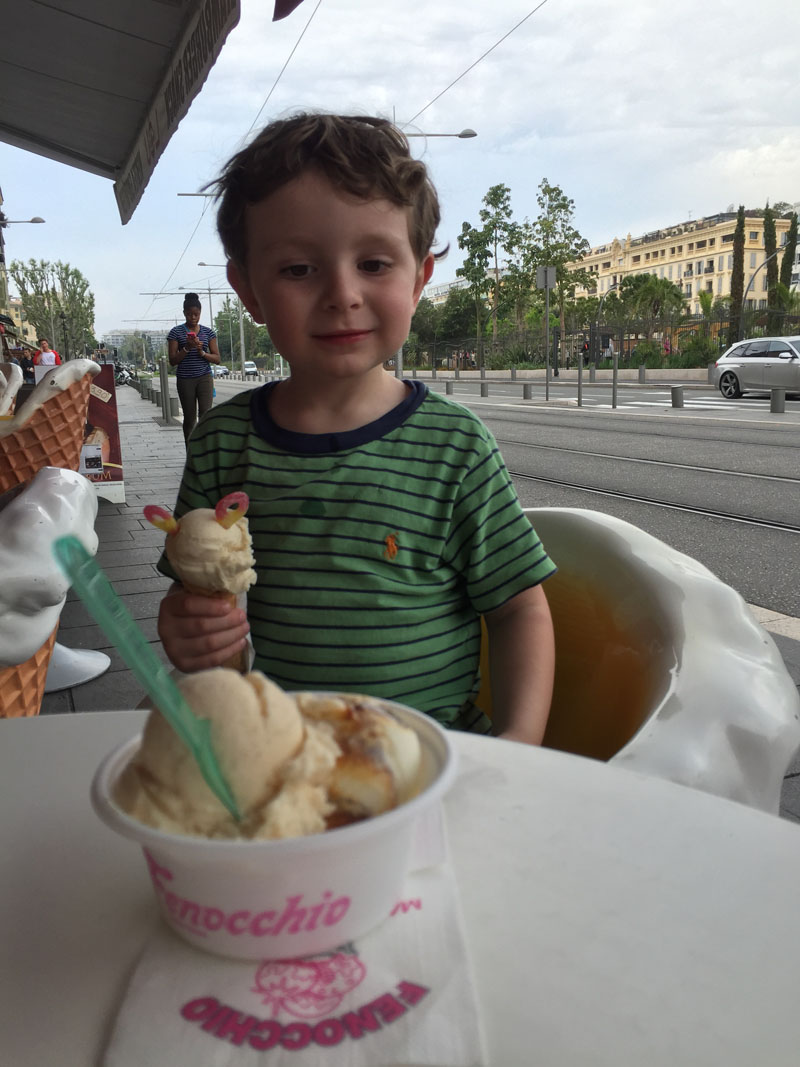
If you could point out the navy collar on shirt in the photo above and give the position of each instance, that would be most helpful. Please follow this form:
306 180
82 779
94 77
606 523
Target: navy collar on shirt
319 443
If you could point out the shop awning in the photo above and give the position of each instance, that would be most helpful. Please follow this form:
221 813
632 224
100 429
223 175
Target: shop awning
102 85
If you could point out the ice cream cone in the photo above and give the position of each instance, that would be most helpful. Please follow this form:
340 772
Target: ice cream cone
22 686
51 437
241 661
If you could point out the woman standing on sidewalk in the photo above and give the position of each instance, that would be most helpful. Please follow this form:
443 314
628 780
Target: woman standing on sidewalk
192 349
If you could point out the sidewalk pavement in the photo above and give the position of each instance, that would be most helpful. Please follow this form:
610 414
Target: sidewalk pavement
153 455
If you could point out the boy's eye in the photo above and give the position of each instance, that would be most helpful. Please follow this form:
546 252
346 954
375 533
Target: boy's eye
297 270
373 266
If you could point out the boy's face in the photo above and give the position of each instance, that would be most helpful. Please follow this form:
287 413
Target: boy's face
333 277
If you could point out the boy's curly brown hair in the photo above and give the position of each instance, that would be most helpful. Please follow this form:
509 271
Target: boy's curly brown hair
361 155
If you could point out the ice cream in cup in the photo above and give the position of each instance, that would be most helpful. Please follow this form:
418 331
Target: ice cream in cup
333 789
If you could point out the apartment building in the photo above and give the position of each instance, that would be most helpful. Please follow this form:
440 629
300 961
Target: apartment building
697 255
21 325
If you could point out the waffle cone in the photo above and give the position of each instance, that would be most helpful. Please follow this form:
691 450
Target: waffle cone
241 661
52 437
22 686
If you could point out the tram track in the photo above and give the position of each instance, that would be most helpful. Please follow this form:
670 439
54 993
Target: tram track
694 467
654 502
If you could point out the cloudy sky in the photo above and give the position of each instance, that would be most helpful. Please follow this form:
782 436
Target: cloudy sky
645 113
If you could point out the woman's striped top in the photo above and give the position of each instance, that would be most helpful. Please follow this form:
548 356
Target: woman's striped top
376 550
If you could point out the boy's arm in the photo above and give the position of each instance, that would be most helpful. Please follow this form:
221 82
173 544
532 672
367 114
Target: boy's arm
522 665
200 632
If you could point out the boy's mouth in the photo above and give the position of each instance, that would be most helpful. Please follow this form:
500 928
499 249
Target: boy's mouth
342 337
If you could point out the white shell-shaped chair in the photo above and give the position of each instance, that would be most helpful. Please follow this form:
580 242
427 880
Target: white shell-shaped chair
660 666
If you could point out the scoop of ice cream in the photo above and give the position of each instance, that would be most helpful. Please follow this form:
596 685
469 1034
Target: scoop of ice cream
207 555
33 587
295 767
380 762
255 729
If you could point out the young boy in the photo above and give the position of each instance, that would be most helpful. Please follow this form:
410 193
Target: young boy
384 522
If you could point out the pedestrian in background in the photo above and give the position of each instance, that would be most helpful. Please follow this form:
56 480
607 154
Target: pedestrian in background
46 356
26 363
192 349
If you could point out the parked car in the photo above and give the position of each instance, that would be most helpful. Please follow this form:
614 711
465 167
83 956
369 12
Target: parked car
220 371
250 369
758 365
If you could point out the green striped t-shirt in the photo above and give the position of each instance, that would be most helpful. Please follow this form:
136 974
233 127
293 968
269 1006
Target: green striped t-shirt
377 550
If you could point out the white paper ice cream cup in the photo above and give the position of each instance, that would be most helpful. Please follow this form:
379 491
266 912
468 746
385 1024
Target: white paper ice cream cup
295 897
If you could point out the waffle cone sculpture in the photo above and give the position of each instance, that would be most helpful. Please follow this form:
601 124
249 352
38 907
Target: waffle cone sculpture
22 686
47 430
211 552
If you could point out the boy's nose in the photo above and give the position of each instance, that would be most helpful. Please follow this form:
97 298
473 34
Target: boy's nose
343 289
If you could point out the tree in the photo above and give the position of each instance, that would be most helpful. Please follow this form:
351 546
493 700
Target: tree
57 302
501 236
424 322
473 269
787 260
770 248
737 279
557 243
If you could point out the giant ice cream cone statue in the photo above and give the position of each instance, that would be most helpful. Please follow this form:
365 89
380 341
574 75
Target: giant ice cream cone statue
211 552
47 429
33 589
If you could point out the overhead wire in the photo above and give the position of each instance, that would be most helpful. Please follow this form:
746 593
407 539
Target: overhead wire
473 65
255 120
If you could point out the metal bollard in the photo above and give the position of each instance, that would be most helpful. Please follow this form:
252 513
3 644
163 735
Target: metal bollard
677 396
413 372
173 405
448 388
592 372
527 392
513 374
711 368
642 372
483 372
433 371
484 388
777 401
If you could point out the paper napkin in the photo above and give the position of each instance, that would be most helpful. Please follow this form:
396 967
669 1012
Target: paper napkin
401 995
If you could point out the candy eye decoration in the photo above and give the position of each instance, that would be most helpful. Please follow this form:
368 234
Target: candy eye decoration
231 508
161 519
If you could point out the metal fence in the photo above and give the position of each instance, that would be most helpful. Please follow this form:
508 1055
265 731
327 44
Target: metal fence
680 341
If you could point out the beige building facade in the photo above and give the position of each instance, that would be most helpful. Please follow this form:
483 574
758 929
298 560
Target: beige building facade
696 255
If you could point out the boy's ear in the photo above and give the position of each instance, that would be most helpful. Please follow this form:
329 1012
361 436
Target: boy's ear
241 283
423 276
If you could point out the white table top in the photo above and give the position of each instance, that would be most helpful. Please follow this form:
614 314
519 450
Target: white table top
611 918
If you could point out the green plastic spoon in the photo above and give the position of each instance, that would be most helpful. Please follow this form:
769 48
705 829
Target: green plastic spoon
102 601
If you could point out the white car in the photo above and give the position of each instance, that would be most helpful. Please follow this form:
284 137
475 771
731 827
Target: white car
220 371
758 365
250 369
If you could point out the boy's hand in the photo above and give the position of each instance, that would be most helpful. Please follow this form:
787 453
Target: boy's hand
199 632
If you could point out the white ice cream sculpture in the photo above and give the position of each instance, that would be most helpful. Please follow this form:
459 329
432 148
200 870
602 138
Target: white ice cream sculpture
33 587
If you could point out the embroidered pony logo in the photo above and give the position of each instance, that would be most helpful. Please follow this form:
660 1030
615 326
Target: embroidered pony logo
391 546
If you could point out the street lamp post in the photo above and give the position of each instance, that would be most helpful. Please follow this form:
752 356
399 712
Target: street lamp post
463 134
3 277
63 317
615 357
239 306
749 287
